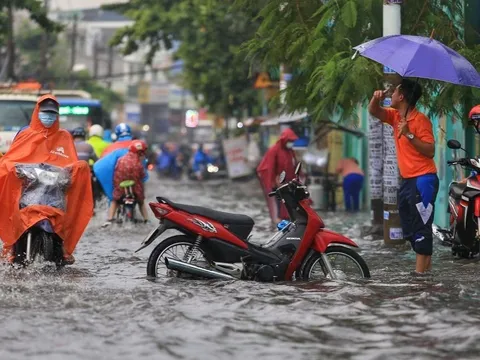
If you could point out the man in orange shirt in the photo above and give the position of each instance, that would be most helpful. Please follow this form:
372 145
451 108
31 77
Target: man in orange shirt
415 151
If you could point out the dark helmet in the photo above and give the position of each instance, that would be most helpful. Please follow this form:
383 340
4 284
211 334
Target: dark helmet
79 132
474 117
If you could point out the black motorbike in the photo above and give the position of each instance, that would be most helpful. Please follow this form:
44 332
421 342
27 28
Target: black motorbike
97 190
127 203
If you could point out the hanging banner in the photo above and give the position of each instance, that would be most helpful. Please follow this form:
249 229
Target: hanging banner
390 167
375 166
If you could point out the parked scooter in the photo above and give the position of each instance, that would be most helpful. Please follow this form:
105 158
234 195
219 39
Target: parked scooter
464 207
216 244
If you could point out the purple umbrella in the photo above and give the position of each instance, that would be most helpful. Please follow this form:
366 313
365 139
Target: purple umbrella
421 57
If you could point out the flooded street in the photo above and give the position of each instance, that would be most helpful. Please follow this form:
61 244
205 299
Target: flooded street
103 307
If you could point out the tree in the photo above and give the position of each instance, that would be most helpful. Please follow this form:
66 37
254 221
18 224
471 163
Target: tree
209 34
37 14
57 72
316 38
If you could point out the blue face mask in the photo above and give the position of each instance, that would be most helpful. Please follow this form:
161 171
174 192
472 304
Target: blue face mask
47 118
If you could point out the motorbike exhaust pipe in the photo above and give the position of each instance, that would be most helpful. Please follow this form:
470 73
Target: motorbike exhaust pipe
442 235
196 270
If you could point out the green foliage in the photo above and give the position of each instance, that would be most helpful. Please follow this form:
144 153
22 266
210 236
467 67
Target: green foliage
109 98
58 69
36 11
316 38
209 32
27 39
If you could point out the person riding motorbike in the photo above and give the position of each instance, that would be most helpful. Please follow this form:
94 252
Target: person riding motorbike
95 138
124 139
84 150
200 162
44 142
130 167
474 119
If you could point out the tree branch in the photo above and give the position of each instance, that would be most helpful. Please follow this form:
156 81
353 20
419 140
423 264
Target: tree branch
424 7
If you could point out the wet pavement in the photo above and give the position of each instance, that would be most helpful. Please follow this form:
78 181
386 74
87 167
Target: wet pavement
103 307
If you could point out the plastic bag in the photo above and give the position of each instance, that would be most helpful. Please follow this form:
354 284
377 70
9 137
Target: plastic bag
43 184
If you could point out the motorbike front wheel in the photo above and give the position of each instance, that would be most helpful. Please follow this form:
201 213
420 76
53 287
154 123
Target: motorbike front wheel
345 262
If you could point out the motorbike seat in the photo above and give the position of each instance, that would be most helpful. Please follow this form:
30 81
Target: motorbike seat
457 189
240 225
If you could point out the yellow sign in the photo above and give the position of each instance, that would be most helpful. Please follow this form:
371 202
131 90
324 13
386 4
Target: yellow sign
143 92
219 122
263 81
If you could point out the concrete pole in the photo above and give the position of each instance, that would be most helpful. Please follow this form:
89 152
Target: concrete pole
392 231
44 50
10 43
73 44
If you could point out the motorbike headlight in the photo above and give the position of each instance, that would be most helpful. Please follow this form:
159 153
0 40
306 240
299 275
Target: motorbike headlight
212 168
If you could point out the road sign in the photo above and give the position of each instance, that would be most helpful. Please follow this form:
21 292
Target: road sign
191 118
263 81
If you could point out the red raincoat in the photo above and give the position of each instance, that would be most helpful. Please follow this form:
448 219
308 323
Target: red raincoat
129 167
54 146
277 159
123 144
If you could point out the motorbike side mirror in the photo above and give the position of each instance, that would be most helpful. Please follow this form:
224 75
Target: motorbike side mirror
281 179
298 168
454 144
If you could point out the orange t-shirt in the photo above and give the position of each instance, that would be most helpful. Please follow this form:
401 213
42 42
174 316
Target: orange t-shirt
410 162
348 166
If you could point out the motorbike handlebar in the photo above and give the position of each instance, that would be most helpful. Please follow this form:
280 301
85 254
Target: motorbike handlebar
271 194
461 162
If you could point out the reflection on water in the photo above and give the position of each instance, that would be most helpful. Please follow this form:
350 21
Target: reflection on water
103 307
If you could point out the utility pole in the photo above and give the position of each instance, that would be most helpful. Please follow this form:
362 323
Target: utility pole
44 49
375 174
392 230
73 48
110 66
95 57
10 44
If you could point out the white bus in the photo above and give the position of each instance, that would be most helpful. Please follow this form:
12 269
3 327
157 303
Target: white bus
15 113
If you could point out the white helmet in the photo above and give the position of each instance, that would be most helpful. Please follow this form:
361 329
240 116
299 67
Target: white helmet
96 130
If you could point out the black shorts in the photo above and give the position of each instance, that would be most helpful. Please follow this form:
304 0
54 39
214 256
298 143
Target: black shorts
416 206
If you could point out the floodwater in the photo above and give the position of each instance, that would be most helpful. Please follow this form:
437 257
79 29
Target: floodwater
103 307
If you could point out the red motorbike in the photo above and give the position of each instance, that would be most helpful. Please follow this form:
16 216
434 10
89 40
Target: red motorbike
217 245
463 234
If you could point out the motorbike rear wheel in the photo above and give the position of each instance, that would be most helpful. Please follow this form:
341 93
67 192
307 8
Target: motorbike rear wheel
129 213
169 247
315 268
